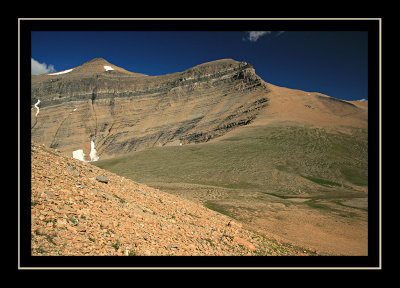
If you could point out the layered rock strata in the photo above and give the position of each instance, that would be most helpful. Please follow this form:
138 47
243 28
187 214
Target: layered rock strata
120 111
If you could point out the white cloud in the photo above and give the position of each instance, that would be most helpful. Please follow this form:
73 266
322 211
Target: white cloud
40 68
253 36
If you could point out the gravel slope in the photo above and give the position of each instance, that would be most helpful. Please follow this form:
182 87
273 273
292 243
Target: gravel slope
76 212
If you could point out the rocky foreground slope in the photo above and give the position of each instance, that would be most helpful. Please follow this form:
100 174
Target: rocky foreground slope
79 209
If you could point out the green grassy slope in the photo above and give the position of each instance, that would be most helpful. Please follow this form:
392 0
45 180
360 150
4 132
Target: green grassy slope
284 161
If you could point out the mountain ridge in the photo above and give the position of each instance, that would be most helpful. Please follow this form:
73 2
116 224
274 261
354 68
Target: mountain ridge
123 112
190 106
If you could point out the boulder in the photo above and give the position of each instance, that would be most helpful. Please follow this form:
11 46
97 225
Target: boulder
103 179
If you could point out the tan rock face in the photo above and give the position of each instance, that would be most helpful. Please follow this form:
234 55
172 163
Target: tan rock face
121 111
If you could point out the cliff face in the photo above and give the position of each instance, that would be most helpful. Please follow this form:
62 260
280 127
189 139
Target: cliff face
99 109
120 111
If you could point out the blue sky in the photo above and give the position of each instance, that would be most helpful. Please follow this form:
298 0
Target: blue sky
334 63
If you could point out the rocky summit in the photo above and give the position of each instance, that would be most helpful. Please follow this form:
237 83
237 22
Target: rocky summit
79 209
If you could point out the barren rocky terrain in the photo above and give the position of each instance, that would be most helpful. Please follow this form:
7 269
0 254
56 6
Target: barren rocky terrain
80 209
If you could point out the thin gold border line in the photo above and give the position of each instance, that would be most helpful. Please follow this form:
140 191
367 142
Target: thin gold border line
211 268
194 19
380 143
19 141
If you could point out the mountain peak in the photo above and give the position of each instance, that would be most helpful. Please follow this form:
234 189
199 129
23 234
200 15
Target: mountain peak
97 61
100 65
91 67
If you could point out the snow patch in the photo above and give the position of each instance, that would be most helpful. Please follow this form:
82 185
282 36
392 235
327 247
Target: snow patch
108 68
362 100
78 154
37 103
62 72
93 155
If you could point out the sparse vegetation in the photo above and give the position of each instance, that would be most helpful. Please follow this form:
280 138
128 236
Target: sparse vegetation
132 253
355 176
259 159
120 199
258 166
314 204
322 182
116 245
